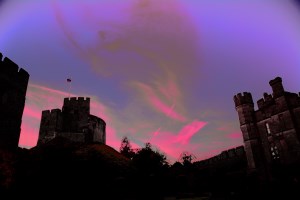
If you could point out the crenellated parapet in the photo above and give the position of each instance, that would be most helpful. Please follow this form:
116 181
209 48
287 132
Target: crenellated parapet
11 72
242 99
265 101
79 103
49 112
76 100
74 122
276 123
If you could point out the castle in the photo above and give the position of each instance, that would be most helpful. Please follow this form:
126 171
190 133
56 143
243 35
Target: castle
13 87
272 132
74 122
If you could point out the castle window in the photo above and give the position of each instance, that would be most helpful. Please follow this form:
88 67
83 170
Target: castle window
275 152
268 128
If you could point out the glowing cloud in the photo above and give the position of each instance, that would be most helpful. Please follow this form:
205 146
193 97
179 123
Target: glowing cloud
188 131
44 98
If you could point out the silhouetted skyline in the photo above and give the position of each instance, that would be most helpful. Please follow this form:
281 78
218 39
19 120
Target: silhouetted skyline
163 72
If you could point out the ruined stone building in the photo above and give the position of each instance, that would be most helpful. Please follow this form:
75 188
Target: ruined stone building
272 132
74 122
13 87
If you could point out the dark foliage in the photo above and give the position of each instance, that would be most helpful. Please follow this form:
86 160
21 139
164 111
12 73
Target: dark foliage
61 168
187 158
126 148
149 161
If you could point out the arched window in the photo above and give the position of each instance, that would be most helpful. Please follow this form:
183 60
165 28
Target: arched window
275 152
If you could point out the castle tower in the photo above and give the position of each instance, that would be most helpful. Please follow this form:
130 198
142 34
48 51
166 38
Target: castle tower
245 107
51 124
75 113
74 122
277 87
13 87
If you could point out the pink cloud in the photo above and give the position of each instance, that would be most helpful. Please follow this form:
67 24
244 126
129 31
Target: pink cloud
31 112
153 98
188 131
170 139
235 135
41 98
173 144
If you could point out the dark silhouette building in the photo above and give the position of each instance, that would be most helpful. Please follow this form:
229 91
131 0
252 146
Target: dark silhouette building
13 87
271 133
74 122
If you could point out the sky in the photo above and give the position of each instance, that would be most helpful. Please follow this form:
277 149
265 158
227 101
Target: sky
163 72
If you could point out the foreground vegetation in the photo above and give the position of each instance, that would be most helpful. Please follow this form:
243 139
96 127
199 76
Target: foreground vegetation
62 168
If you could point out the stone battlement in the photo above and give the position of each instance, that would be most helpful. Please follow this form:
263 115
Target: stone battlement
48 112
277 87
265 101
73 121
274 124
275 81
245 98
77 101
11 70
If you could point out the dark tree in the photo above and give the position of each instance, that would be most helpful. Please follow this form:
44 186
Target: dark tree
186 158
126 148
148 160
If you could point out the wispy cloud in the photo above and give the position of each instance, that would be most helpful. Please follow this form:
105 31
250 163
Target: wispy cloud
41 98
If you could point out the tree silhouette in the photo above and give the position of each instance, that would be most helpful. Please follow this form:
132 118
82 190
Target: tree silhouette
186 158
149 161
126 148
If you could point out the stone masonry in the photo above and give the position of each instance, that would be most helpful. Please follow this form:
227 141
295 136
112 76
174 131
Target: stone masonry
74 122
271 133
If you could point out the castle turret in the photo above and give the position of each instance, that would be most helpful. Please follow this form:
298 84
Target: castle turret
73 122
277 87
51 124
245 107
76 112
13 87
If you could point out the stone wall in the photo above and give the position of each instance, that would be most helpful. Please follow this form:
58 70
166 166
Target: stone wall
13 87
272 133
74 122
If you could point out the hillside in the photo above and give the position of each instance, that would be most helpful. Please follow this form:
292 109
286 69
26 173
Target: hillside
61 167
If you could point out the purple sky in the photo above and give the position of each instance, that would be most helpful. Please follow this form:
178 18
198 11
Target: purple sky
158 71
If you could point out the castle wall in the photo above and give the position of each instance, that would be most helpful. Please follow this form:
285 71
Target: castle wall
232 159
271 132
75 137
98 126
51 124
76 112
13 87
73 122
